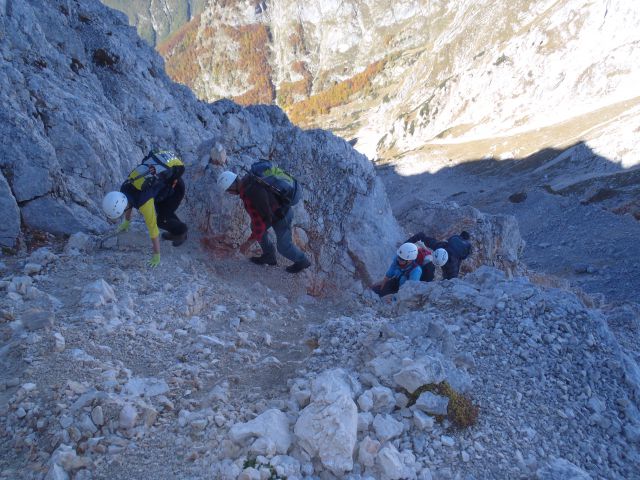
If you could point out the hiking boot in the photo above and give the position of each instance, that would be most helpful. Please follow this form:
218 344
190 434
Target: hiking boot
298 266
179 239
264 260
168 236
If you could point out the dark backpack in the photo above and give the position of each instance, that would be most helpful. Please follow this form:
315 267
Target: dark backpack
283 185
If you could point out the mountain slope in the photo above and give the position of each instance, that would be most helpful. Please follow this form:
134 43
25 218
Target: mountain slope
157 19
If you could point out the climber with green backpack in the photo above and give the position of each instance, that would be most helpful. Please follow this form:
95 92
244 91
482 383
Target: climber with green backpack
267 193
156 189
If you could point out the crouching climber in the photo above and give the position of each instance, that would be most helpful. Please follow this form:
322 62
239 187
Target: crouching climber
155 188
267 210
447 254
402 268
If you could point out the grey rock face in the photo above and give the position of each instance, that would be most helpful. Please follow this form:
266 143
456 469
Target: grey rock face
84 98
9 215
344 222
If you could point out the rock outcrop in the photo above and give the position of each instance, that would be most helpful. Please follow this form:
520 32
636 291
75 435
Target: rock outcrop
86 98
496 239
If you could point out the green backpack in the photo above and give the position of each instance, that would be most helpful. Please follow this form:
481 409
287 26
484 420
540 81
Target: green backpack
284 186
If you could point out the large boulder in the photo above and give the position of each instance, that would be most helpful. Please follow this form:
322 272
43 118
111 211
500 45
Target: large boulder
271 426
327 427
344 222
496 239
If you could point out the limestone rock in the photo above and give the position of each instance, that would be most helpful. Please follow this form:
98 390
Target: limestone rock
561 469
59 342
496 239
78 242
387 427
98 293
327 427
149 387
272 425
368 451
424 371
128 416
9 215
37 319
432 404
392 464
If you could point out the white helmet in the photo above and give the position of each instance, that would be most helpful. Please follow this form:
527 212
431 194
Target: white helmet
114 204
408 251
226 179
440 257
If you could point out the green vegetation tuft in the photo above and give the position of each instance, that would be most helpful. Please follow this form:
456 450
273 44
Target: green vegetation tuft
461 411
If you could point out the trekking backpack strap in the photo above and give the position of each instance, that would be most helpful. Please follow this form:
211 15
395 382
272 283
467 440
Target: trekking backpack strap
263 182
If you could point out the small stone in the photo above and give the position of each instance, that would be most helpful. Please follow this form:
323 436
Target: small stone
149 416
21 413
199 424
432 404
220 420
37 319
66 421
447 441
387 427
364 421
250 474
32 268
423 421
97 416
59 342
128 416
56 472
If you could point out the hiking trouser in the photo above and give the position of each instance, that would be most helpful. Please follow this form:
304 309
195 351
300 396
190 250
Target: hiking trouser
166 211
392 286
451 268
285 245
428 272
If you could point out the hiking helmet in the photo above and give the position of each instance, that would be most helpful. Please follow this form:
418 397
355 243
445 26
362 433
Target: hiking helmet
440 257
408 251
114 204
226 179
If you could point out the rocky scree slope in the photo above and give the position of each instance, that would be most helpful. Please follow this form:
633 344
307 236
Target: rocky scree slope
198 372
88 98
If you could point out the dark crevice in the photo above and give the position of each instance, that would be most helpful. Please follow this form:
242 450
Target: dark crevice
25 202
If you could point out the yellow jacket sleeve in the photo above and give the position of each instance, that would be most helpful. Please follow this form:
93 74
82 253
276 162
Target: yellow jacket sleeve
148 210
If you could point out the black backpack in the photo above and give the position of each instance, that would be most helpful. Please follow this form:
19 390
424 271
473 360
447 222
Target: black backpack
153 170
283 185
